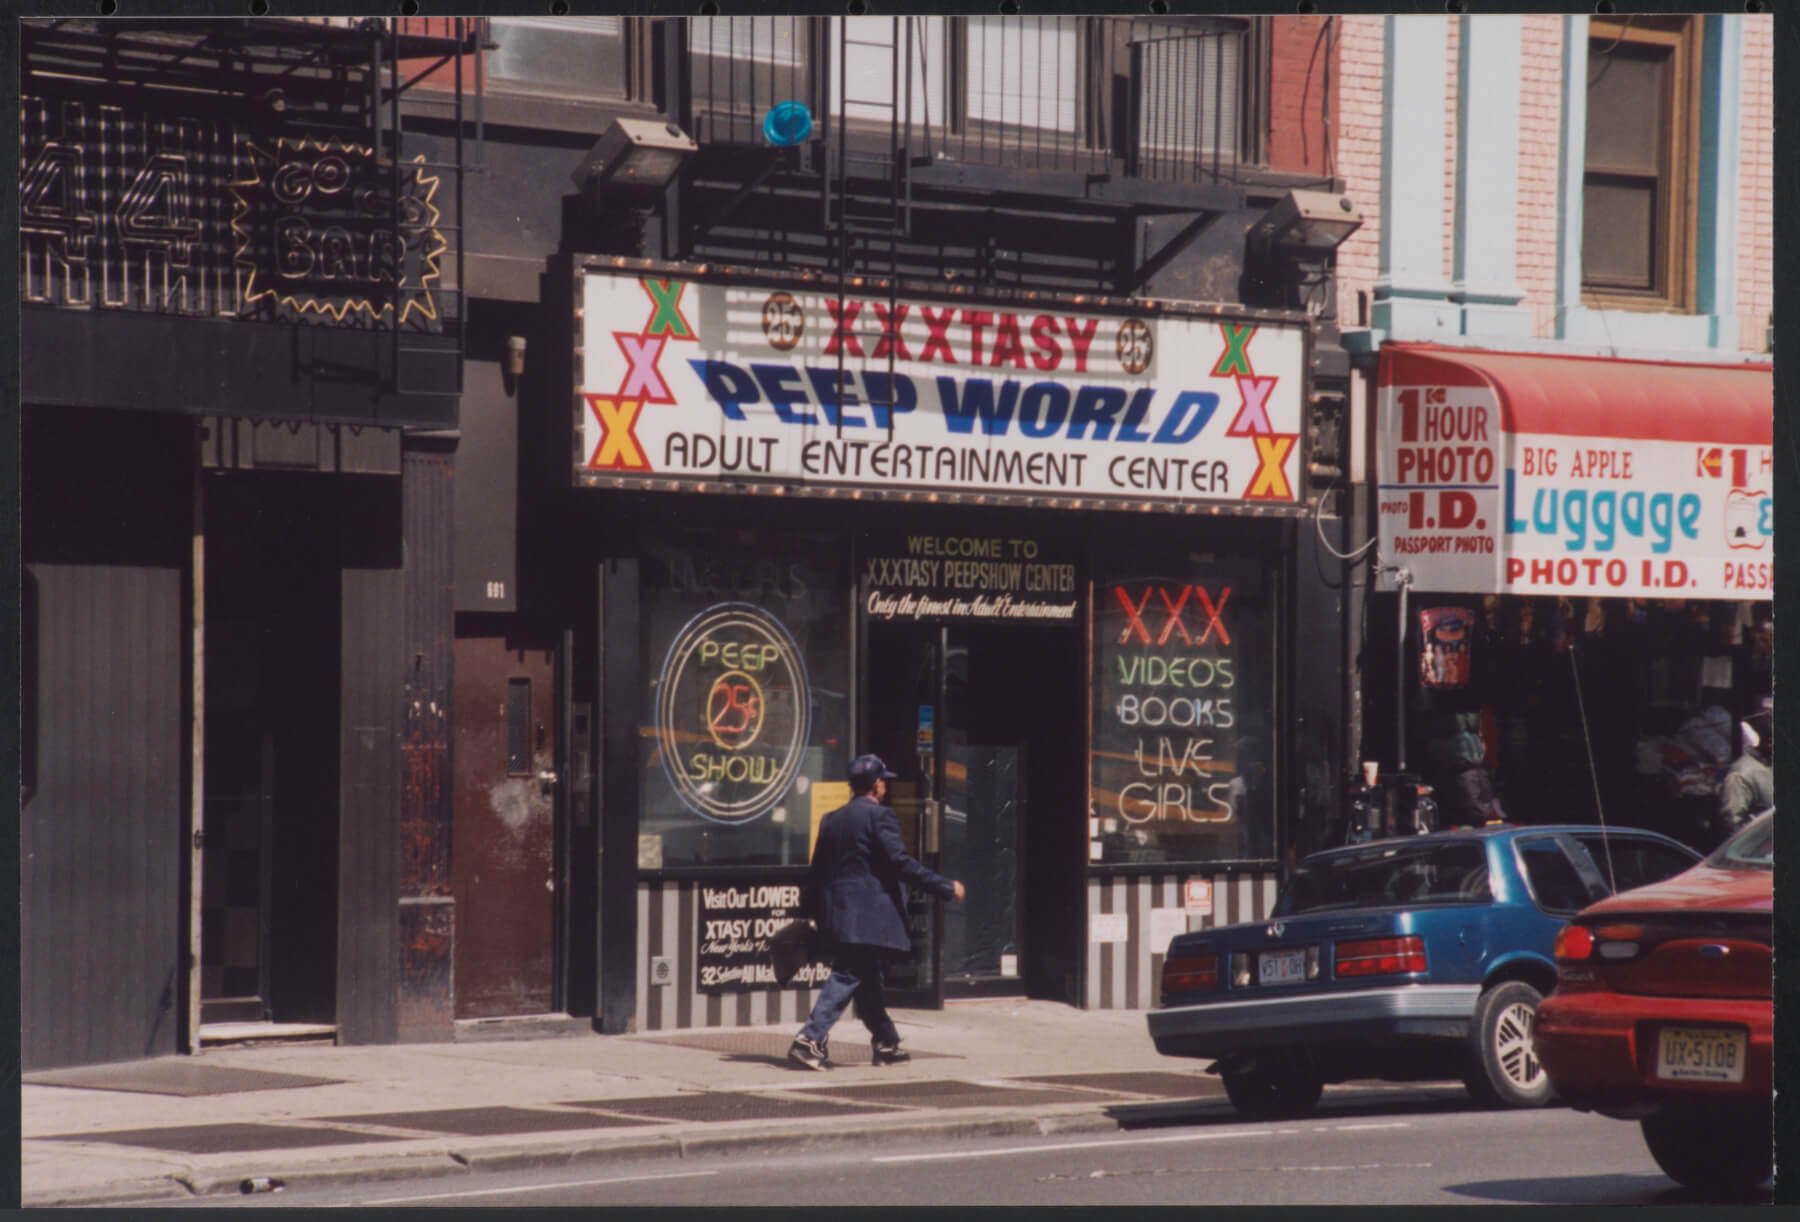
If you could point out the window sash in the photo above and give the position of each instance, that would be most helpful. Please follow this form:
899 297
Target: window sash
580 55
1654 170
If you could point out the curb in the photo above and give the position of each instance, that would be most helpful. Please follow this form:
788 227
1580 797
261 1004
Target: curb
224 1181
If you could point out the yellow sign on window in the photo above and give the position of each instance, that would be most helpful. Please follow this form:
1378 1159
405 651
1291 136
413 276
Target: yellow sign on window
827 796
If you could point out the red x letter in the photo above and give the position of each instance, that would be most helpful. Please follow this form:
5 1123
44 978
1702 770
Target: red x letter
1131 615
1212 615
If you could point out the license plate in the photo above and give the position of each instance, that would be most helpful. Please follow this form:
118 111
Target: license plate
1281 967
1700 1054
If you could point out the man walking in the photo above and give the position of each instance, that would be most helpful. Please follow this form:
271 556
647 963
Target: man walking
856 891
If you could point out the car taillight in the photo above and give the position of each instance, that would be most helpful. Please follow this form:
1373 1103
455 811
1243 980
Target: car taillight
1573 943
1381 956
1189 973
1618 941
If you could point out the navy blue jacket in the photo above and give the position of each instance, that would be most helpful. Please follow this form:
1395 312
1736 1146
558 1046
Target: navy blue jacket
856 888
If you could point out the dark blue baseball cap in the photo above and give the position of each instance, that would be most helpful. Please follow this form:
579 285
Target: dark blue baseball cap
867 769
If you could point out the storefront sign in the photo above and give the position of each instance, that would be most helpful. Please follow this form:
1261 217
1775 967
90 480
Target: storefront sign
124 208
933 577
733 708
1171 676
1471 503
1182 756
319 232
736 926
692 380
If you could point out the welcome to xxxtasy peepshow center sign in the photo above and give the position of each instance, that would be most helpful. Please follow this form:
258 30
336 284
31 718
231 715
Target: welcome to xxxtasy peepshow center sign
691 380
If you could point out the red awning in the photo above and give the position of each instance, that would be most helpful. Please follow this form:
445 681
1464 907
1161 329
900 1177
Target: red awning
1602 397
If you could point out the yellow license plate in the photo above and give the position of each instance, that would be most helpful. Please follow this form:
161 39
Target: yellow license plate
1700 1054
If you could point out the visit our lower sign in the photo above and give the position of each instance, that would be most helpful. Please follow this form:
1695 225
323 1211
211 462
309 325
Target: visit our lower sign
964 576
736 926
687 379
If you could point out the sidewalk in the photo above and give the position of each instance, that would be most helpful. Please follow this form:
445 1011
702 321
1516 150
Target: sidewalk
314 1114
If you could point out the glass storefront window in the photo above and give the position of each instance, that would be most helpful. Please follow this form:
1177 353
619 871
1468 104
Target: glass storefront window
1183 766
745 719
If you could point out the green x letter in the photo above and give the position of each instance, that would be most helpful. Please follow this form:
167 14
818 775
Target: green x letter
667 319
1236 358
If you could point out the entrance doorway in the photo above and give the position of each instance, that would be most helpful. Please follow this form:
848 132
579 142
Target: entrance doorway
982 725
269 839
504 831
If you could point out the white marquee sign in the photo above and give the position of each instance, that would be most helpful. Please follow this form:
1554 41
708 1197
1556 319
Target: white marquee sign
693 380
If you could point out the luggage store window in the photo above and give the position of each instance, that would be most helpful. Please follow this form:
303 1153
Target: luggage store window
746 654
1182 766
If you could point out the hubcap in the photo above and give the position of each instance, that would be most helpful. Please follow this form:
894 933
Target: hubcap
1512 1046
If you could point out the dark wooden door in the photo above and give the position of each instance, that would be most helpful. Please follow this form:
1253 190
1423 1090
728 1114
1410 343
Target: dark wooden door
504 841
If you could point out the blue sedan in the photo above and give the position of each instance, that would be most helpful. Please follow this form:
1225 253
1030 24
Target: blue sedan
1411 959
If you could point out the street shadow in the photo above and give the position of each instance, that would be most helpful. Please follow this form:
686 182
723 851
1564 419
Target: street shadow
754 1058
1598 1190
1337 1104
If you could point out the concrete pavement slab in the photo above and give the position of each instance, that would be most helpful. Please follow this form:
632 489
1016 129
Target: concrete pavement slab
990 1061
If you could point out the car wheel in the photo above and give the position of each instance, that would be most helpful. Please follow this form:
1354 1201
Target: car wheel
1275 1087
1506 1071
1710 1152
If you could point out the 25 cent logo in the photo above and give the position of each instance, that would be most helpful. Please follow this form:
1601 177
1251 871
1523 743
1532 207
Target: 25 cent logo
782 321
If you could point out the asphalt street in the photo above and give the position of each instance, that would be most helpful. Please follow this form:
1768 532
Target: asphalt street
1367 1145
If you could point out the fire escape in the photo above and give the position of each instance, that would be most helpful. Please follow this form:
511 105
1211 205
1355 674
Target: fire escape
1045 181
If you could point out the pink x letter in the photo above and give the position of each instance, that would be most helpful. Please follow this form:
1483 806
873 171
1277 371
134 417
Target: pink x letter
1252 419
644 381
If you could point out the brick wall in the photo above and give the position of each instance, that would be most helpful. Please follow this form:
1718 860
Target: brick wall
1452 96
1540 136
1756 185
1301 68
1360 55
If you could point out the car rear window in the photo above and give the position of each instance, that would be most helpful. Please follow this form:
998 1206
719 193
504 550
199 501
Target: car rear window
1633 861
1556 883
1751 848
1383 875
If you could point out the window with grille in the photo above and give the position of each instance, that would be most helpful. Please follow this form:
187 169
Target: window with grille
1024 71
1190 82
742 66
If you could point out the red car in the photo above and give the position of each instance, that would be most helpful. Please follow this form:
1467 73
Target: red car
1663 1013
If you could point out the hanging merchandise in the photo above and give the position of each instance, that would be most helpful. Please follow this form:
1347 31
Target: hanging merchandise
1444 646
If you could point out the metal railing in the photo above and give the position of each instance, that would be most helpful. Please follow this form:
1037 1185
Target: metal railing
1159 99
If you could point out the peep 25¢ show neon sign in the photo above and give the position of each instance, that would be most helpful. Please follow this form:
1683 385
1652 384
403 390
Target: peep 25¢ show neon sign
733 712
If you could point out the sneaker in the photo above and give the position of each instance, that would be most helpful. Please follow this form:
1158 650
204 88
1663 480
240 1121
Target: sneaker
804 1052
890 1054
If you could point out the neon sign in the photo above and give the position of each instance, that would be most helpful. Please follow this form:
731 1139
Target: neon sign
733 711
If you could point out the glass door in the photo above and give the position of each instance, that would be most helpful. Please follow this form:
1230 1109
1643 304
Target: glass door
906 676
951 710
988 705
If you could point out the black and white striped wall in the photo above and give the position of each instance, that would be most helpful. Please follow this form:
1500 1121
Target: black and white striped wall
1124 951
668 919
1132 917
